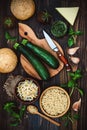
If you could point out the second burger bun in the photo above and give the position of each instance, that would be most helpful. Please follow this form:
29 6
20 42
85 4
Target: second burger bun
8 60
22 9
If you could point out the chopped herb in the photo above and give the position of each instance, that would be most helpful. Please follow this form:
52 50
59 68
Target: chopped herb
58 28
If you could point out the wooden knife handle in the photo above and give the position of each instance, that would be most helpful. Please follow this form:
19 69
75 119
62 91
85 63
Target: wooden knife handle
64 60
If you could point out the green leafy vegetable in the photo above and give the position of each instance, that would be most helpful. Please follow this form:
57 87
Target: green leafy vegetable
21 112
9 37
15 112
9 22
72 83
44 17
80 91
72 32
70 118
70 41
72 36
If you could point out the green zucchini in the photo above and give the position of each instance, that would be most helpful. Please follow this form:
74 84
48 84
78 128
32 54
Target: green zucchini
43 54
36 63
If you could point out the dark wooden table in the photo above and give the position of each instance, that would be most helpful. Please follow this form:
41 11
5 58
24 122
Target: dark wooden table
34 122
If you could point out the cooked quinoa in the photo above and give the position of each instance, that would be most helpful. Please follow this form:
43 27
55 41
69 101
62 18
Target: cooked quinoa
54 101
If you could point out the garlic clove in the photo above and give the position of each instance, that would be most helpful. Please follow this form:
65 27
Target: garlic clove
76 105
72 51
75 60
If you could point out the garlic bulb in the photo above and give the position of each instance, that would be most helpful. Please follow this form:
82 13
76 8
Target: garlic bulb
72 51
76 105
75 60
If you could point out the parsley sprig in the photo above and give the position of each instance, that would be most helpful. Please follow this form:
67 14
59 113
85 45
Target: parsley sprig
70 118
72 36
15 113
73 85
73 82
9 37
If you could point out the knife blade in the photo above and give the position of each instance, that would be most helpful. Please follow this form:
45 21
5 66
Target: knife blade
55 48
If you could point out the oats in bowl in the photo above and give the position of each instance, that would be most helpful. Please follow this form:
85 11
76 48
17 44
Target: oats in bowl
54 101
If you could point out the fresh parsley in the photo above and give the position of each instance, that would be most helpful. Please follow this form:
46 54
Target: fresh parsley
70 118
73 82
72 36
15 112
9 37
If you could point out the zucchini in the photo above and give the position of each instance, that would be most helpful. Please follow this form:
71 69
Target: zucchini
36 63
43 54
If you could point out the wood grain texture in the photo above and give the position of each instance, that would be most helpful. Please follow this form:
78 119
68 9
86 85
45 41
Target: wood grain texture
34 122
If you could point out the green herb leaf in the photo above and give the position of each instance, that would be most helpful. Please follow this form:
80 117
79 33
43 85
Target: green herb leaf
64 85
8 21
72 90
76 116
78 33
77 75
46 15
9 37
70 41
8 106
22 110
14 122
71 74
68 118
15 112
64 117
71 83
15 115
71 32
66 123
80 91
78 71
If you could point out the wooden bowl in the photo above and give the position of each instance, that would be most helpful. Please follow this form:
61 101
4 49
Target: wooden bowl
54 102
27 91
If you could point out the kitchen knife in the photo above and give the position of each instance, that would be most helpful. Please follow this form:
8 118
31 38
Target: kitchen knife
55 48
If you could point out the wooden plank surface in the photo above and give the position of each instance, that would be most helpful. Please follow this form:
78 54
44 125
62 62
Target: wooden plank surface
34 122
